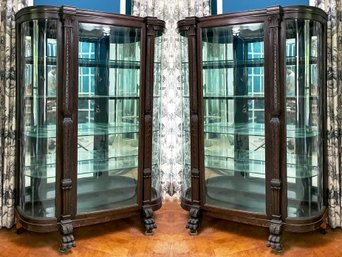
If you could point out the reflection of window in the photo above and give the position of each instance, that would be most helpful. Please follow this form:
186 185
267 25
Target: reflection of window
86 85
51 47
256 82
290 47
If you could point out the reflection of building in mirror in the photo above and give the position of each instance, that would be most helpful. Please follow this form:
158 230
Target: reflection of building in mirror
290 82
314 82
51 79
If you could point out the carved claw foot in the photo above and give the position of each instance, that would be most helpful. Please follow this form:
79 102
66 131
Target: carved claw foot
148 219
274 239
67 240
193 221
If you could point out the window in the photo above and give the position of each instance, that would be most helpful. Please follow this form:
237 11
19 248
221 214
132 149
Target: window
225 6
115 6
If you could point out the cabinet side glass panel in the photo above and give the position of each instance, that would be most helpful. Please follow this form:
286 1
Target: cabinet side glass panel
304 82
108 117
233 115
186 146
156 183
38 117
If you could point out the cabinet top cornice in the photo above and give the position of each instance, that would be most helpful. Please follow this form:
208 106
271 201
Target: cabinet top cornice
287 12
54 12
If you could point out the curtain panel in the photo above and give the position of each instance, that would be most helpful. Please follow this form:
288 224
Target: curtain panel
8 8
171 166
334 101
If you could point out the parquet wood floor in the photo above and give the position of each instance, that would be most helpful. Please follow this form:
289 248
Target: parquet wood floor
125 238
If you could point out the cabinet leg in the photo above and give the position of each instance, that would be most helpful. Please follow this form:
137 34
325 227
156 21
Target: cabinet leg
67 237
274 239
148 220
194 220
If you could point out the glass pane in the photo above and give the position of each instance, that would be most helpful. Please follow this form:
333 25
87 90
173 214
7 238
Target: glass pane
233 114
186 146
108 118
38 117
303 117
156 186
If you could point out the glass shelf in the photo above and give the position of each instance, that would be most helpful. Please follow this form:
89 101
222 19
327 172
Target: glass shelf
257 129
88 129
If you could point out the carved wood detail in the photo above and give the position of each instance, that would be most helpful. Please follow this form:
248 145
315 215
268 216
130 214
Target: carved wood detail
67 238
148 220
148 140
275 183
194 140
274 239
194 220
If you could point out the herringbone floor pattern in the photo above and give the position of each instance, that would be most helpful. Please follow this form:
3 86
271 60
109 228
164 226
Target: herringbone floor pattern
125 238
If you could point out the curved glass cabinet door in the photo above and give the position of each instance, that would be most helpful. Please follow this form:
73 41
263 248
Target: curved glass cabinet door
233 116
37 108
304 117
108 117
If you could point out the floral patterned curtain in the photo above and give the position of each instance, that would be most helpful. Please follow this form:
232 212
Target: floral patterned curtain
334 94
8 8
171 114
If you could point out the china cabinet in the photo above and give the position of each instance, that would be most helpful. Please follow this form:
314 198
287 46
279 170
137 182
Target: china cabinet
87 119
254 118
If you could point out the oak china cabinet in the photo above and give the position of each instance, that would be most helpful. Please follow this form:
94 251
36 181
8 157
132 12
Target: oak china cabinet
87 119
254 118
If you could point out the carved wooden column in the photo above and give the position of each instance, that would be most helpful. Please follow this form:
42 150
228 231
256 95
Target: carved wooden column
67 130
152 26
189 25
275 125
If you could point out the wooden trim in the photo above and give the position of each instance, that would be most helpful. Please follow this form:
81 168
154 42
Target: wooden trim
68 123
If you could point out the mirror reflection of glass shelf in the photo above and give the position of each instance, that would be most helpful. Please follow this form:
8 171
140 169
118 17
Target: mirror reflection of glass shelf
84 129
223 64
111 165
133 95
221 192
29 97
223 96
109 192
115 64
230 165
257 129
294 60
49 60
